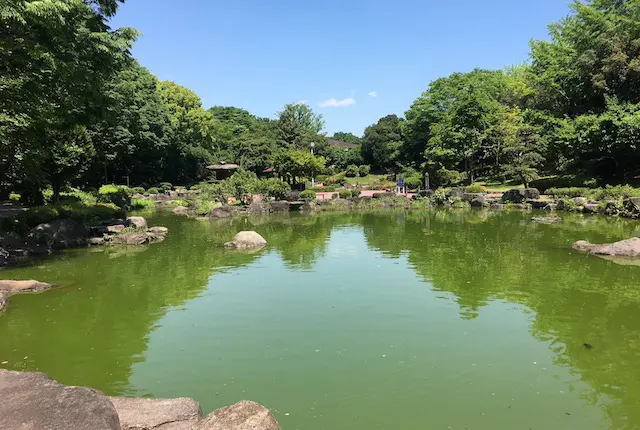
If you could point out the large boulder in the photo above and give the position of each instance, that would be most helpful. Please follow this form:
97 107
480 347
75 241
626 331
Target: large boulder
632 207
59 234
35 401
469 197
258 207
519 195
221 212
137 238
158 230
623 248
136 222
479 200
280 206
181 210
247 240
244 415
162 414
30 286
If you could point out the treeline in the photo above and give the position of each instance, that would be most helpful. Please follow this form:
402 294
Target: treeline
573 109
77 109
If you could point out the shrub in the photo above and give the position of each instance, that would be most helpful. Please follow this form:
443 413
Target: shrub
76 211
364 170
412 182
569 192
14 197
178 202
476 189
352 171
137 204
204 207
345 194
273 187
308 195
447 177
338 179
153 190
355 192
166 186
441 197
242 184
116 194
334 196
617 192
137 190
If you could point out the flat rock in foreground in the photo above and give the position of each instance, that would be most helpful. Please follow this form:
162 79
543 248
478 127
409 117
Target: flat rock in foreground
244 415
164 414
35 401
31 286
247 240
624 248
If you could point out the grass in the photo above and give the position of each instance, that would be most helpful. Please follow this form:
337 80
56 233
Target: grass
367 180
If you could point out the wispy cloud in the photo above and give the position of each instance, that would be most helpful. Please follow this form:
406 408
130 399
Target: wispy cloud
338 103
373 94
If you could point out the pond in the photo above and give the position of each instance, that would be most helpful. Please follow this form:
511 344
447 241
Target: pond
443 319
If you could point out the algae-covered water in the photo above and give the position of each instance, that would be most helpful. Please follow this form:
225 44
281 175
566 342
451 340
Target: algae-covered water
444 319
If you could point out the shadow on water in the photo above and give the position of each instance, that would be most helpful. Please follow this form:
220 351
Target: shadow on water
95 328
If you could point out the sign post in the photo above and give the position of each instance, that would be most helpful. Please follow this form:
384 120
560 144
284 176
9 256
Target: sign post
400 185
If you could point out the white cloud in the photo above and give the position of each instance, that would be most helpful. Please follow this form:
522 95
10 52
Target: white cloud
373 94
338 103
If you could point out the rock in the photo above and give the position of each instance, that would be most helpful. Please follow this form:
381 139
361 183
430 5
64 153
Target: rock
457 192
136 221
244 415
3 300
221 212
294 196
425 193
31 286
247 240
632 207
258 207
162 414
382 195
550 207
114 228
309 206
590 208
623 248
4 256
519 195
479 201
11 240
469 197
158 230
181 210
498 206
96 241
580 201
137 238
521 206
61 233
547 220
35 401
280 206
562 205
538 204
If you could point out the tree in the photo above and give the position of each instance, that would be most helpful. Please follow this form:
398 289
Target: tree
294 164
381 143
346 137
299 126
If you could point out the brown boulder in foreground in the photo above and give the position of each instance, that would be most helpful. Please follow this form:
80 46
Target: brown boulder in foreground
247 240
35 401
623 248
165 414
244 415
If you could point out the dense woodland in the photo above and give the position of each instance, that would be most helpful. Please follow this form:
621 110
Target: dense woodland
77 109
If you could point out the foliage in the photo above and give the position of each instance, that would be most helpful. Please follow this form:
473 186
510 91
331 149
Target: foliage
308 195
179 202
295 164
413 182
476 188
345 194
569 192
137 190
77 211
14 197
355 192
381 143
338 179
298 126
153 190
364 170
346 137
119 195
352 171
204 207
137 204
273 187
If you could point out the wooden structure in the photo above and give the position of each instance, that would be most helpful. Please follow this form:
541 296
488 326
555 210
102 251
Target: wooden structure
222 171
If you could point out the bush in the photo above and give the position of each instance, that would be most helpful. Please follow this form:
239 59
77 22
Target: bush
273 187
569 192
76 211
364 170
345 194
355 192
137 190
441 197
153 190
334 196
14 197
165 186
564 181
338 179
352 171
413 182
178 202
476 189
204 207
617 192
137 204
242 184
308 195
116 194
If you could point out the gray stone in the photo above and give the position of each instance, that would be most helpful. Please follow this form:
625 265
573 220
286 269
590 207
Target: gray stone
280 206
30 286
136 221
519 195
244 415
457 192
580 201
96 241
547 220
35 401
158 230
157 414
469 197
258 207
221 212
137 238
114 228
247 240
382 195
4 297
61 233
590 208
11 240
632 207
479 201
181 210
538 204
629 248
550 207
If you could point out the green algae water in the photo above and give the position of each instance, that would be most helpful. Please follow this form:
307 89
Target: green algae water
444 319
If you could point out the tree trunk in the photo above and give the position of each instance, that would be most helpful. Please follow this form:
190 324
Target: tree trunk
55 184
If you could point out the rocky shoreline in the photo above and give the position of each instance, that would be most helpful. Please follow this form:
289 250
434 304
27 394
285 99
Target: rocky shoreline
32 400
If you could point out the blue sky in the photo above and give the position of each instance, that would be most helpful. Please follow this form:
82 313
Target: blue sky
354 61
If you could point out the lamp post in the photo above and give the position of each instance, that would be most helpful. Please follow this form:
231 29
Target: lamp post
313 181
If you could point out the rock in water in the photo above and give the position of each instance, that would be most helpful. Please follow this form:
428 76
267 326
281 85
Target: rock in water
280 206
221 212
138 238
59 234
181 210
158 230
3 300
247 240
623 248
547 220
31 286
165 414
35 401
136 221
518 195
244 415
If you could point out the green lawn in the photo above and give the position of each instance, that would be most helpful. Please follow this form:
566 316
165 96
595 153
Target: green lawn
367 180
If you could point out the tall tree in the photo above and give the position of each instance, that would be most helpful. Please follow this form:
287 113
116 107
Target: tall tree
346 137
381 143
299 126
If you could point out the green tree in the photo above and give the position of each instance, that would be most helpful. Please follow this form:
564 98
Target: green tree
294 164
299 126
346 137
381 143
